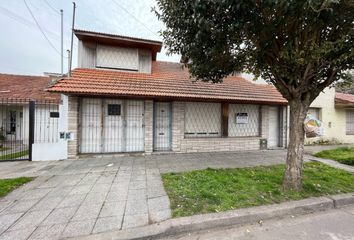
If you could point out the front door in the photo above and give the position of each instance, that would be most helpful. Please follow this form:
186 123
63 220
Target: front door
273 135
162 126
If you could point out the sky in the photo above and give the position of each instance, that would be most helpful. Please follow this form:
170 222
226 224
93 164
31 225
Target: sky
24 49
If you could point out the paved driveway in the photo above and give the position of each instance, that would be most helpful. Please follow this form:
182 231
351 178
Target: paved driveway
79 197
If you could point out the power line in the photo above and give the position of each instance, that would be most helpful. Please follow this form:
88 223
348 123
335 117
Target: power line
51 7
136 19
39 27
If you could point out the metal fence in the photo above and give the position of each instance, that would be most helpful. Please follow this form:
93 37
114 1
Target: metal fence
24 122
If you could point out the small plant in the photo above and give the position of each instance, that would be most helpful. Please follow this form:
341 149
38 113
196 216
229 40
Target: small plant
2 137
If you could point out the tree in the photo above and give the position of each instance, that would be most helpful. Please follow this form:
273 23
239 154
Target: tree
346 85
299 46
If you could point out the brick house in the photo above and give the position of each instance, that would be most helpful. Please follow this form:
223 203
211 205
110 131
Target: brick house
122 99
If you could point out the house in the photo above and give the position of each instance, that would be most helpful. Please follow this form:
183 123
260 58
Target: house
122 99
49 118
336 111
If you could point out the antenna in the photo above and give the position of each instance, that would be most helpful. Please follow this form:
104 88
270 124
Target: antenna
62 42
72 39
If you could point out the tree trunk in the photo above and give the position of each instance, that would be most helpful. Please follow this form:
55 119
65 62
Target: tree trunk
294 160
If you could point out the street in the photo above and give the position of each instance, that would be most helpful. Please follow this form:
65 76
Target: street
336 224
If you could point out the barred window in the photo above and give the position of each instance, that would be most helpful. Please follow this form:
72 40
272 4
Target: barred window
202 119
244 120
350 122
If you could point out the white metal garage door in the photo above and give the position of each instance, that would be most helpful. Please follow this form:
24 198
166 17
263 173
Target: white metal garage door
111 125
273 135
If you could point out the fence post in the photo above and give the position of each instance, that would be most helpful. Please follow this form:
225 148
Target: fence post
32 107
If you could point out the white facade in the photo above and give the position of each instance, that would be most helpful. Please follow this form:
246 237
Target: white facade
334 118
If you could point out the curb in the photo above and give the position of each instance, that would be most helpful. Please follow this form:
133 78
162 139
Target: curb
225 219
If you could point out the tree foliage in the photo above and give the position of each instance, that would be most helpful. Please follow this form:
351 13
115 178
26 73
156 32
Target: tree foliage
300 46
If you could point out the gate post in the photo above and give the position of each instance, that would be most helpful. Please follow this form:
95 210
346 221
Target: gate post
32 107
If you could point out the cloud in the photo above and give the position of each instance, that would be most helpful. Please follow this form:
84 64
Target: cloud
24 49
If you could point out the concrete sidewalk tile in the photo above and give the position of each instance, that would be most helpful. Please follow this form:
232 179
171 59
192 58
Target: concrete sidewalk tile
137 184
115 196
159 203
51 232
30 219
60 215
135 221
18 234
74 229
86 212
136 194
7 220
95 198
47 203
141 177
101 187
20 206
60 191
134 207
113 209
36 193
108 224
72 200
81 189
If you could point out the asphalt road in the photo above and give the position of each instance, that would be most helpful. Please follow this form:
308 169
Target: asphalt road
335 224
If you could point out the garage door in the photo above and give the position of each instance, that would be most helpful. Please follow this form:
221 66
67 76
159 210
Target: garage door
111 126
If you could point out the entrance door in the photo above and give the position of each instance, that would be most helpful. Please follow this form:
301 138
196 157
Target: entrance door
113 126
273 135
91 125
162 126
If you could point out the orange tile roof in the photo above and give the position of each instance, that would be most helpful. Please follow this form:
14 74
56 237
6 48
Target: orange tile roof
344 98
26 87
167 80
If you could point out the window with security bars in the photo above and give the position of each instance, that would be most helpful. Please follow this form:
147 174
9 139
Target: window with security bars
244 120
350 122
202 119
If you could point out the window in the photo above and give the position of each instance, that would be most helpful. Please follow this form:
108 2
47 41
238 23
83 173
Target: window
314 112
117 58
244 120
202 119
350 122
113 109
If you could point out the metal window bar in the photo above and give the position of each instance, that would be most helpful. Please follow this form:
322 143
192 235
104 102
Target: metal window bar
244 120
349 122
111 125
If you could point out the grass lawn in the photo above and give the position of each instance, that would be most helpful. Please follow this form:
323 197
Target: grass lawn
14 155
343 155
8 185
215 190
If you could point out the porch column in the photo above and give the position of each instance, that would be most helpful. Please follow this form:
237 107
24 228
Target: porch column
148 118
73 121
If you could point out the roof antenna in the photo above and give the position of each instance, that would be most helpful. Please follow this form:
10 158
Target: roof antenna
72 40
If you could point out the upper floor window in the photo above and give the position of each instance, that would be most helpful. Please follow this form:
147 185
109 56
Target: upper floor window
117 58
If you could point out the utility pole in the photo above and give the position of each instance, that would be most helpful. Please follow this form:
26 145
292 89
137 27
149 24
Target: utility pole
72 39
62 42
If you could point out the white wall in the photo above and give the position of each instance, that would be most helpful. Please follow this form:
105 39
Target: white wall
333 119
42 151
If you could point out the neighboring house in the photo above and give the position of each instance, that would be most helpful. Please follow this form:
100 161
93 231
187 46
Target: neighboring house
336 111
121 99
16 92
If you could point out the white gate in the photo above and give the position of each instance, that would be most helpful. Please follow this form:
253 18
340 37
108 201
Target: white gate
112 125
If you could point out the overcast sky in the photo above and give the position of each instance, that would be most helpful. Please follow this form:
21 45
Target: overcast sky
24 49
